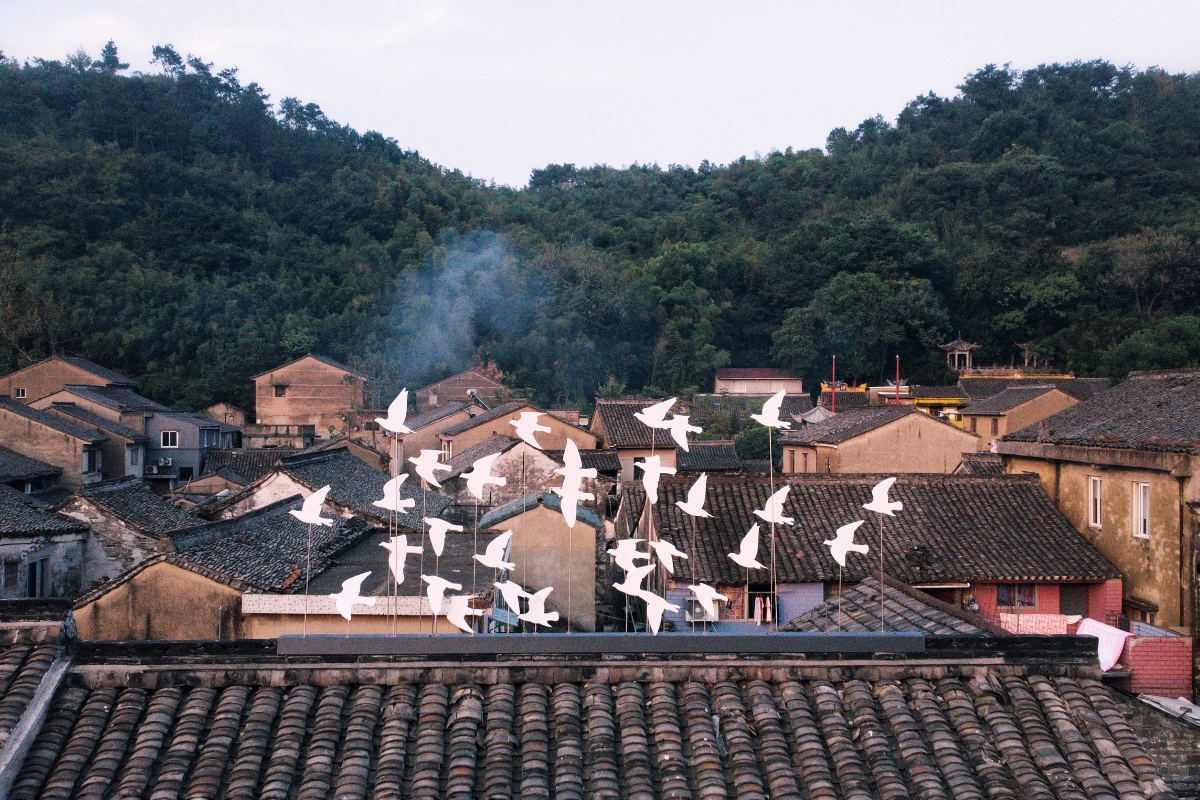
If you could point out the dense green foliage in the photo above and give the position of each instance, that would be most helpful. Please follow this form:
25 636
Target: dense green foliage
183 229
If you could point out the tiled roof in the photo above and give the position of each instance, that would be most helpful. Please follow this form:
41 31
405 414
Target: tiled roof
959 344
51 421
981 464
322 359
980 387
752 373
603 461
953 528
857 609
199 420
356 486
1006 400
487 416
489 446
623 430
23 516
132 502
456 564
470 379
1149 411
846 399
118 398
853 422
427 418
249 464
16 467
708 456
653 729
103 373
497 516
937 391
22 668
629 510
98 422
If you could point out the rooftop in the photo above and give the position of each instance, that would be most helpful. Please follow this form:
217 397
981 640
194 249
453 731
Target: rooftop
1006 400
469 379
248 464
427 418
714 455
323 359
456 564
603 461
46 419
622 430
953 528
845 398
118 398
754 373
1150 411
24 516
105 374
16 467
82 415
981 464
490 446
937 391
501 410
498 516
845 425
979 387
132 502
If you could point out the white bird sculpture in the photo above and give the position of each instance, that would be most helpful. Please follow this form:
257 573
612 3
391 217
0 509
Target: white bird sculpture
310 512
537 613
493 556
458 609
397 412
655 416
843 543
512 594
879 499
655 606
392 501
480 475
666 552
527 426
747 555
436 591
706 594
652 469
427 463
398 551
773 510
437 533
349 596
572 469
770 412
627 553
633 580
570 501
680 427
694 505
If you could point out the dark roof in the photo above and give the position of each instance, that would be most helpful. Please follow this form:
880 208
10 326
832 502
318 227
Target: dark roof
16 467
855 422
436 413
623 430
469 379
102 424
22 667
487 416
979 387
857 609
845 399
981 464
1149 411
530 501
118 398
603 461
249 464
45 418
456 563
489 446
23 516
937 391
103 373
132 502
752 373
629 510
959 344
708 456
953 528
322 359
355 485
1006 400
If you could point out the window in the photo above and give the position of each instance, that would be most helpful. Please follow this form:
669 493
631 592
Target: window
1012 595
1094 486
28 488
805 462
91 461
280 390
210 437
135 455
35 578
974 424
12 571
995 426
791 460
1073 599
170 438
185 473
1141 510
447 450
19 394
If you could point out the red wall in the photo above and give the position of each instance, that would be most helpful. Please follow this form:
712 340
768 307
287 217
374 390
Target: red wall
1104 601
1160 665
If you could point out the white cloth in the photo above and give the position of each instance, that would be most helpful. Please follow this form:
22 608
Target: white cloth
1112 641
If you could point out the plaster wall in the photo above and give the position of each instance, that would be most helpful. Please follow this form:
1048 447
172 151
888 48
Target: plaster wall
628 456
45 378
427 438
317 394
546 553
34 440
914 443
560 432
112 546
64 556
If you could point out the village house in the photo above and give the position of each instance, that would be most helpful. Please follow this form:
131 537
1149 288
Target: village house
41 552
227 413
1012 409
124 451
981 463
426 431
996 543
178 443
52 374
118 404
470 432
761 381
940 401
73 448
876 439
983 385
844 398
1123 467
615 425
465 387
312 390
27 475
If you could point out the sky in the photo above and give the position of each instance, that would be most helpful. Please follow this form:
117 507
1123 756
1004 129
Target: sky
498 89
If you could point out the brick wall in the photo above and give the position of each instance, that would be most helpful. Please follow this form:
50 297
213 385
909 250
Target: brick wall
1160 665
1104 601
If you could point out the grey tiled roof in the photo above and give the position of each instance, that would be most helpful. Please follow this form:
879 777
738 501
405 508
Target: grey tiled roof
52 421
16 467
22 516
103 424
622 430
249 464
853 422
132 502
118 398
1006 400
462 462
603 461
22 667
427 418
846 399
708 456
498 516
979 387
937 391
1149 411
487 416
355 485
953 528
103 373
857 609
981 464
456 564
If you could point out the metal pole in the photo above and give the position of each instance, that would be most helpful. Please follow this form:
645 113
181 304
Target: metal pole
774 581
307 576
881 573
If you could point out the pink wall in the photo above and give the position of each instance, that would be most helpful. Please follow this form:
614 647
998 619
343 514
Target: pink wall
1160 665
1104 601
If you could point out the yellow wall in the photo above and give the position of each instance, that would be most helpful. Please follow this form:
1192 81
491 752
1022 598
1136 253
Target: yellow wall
913 443
555 440
272 626
317 394
544 561
1022 416
427 438
628 456
39 380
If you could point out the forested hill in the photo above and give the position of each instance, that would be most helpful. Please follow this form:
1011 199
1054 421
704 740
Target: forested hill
183 228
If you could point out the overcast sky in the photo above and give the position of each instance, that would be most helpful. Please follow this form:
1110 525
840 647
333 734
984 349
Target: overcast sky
497 89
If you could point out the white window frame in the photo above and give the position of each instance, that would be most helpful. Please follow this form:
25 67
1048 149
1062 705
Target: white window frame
1095 501
163 439
1141 510
19 394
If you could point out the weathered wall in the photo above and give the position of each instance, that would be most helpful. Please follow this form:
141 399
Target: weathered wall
46 444
318 394
427 438
276 487
1035 410
798 459
112 546
758 386
42 379
914 443
65 558
546 553
560 432
272 626
134 420
628 456
1160 665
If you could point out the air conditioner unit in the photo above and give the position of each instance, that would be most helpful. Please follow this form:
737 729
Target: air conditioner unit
151 469
695 612
165 462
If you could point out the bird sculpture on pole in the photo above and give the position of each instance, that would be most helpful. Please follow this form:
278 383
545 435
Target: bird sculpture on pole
694 505
654 416
633 580
512 594
527 426
882 505
428 463
652 469
493 555
680 427
747 554
458 608
437 533
655 607
396 414
706 595
839 547
537 614
666 553
770 418
398 551
480 475
436 592
350 596
627 554
391 500
772 511
310 514
770 412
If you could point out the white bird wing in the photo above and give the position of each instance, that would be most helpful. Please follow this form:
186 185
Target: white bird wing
494 552
571 459
774 403
512 594
879 492
679 432
696 494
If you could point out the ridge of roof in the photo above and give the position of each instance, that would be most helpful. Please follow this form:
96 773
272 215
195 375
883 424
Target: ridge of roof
103 423
119 398
87 365
52 421
323 359
1007 399
496 443
622 430
15 466
507 407
752 373
531 501
438 412
131 501
846 425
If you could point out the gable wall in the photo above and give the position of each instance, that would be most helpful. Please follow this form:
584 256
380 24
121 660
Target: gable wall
112 546
35 440
317 394
560 432
913 443
546 553
42 379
